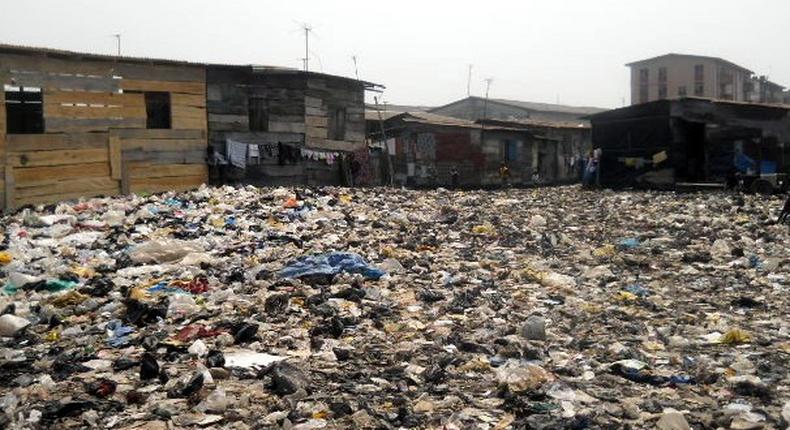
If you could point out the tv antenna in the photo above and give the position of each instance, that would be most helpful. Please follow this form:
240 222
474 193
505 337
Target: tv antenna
469 82
356 66
307 30
117 36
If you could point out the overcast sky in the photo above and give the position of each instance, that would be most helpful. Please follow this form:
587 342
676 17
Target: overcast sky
573 51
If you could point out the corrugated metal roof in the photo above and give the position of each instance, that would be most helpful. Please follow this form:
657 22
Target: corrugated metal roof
531 106
446 121
542 123
550 107
653 106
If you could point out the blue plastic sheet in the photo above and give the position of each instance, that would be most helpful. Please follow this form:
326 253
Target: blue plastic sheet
629 243
120 334
330 264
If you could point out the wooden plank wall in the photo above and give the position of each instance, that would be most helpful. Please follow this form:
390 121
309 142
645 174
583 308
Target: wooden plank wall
324 93
298 109
95 129
229 91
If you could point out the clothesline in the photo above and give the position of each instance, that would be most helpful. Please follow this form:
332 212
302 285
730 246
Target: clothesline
242 154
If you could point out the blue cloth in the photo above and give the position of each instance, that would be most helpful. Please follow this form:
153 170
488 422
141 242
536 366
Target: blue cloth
120 334
743 163
330 264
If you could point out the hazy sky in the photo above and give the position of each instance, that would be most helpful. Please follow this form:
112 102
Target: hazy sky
536 50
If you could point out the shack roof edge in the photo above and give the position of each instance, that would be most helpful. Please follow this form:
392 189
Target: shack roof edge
6 48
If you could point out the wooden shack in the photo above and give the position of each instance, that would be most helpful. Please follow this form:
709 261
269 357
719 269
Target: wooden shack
79 125
277 126
560 159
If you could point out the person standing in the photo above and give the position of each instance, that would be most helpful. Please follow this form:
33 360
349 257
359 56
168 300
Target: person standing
504 174
591 170
454 177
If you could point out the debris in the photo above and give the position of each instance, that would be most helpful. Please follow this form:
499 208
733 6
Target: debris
535 308
11 325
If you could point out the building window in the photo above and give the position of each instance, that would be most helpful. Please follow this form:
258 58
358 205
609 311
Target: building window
24 107
644 74
662 92
662 75
699 89
337 124
682 92
699 72
258 114
157 110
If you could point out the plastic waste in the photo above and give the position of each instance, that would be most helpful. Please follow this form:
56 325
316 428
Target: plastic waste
250 359
11 325
198 348
118 334
330 264
163 251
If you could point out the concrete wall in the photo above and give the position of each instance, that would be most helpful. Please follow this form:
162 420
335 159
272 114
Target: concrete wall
680 72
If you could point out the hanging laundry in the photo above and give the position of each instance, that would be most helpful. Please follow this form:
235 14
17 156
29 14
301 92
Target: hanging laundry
254 152
237 153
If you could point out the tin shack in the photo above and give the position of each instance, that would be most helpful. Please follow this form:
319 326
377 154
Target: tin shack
559 157
80 125
691 140
427 147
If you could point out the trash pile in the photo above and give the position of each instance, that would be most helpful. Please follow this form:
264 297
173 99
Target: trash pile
247 308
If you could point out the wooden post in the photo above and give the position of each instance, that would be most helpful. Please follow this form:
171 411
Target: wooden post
9 188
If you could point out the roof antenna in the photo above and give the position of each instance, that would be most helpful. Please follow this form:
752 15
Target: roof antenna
469 82
307 30
356 68
118 37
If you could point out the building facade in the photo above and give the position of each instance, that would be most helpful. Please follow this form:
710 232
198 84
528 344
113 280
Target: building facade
665 142
675 76
282 126
426 148
81 125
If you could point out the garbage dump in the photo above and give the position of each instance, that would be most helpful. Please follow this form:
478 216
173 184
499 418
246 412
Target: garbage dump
248 308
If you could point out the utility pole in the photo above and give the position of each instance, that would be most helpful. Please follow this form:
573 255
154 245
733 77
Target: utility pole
383 141
356 67
307 29
118 36
469 82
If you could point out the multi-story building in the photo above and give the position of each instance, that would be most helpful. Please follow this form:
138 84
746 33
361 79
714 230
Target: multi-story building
674 76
